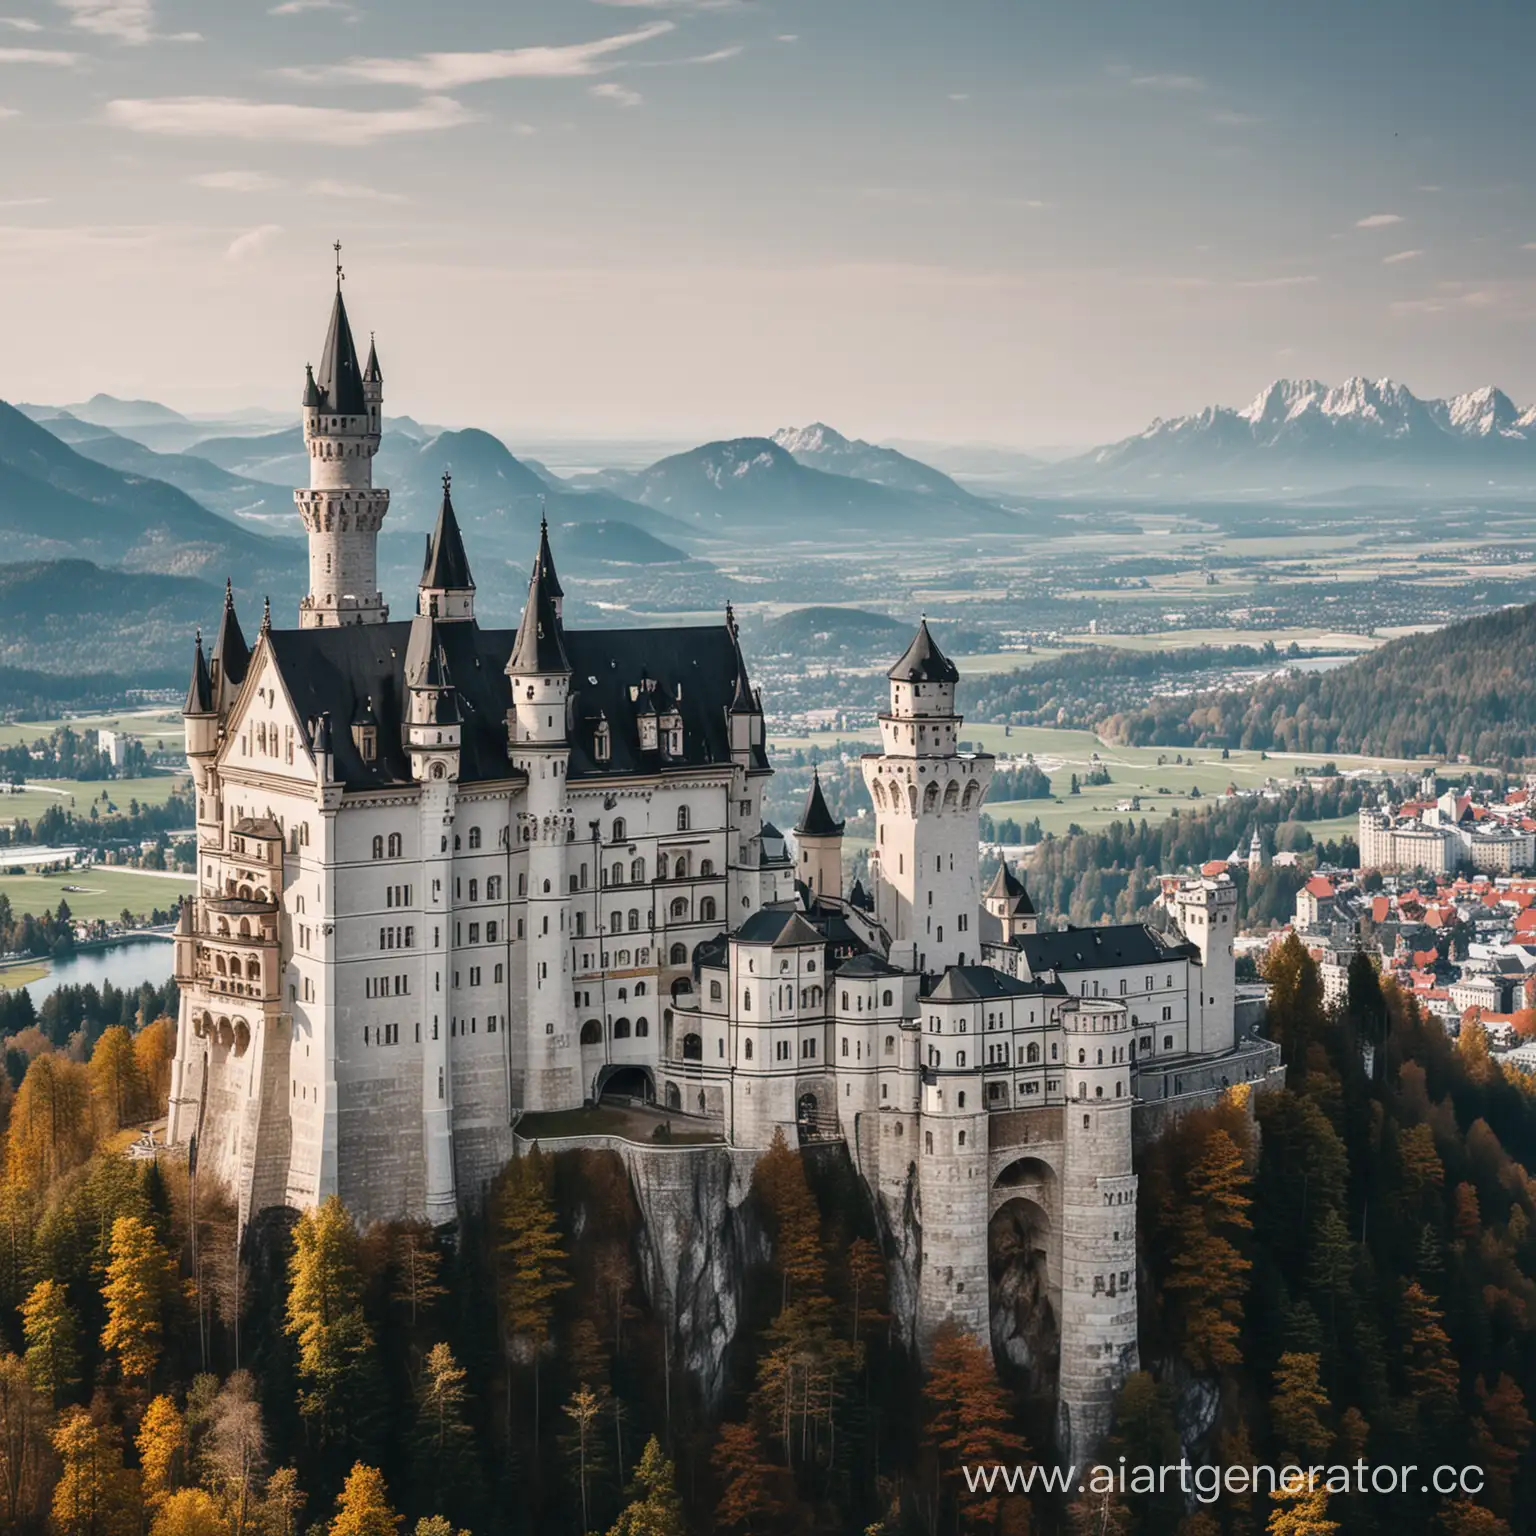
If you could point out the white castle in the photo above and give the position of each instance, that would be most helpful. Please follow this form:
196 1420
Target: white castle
449 875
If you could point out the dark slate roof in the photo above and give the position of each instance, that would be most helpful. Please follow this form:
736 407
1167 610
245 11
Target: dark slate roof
334 671
312 396
447 566
231 655
1092 949
980 983
539 646
816 820
780 927
923 661
371 373
200 689
867 964
426 668
340 379
1007 886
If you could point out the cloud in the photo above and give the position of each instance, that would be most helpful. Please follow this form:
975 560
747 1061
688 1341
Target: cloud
252 241
620 95
58 58
1400 256
24 202
1228 119
20 24
300 7
959 95
450 71
349 191
236 181
1378 220
1276 282
231 117
675 5
1530 245
129 21
1168 82
788 37
9 112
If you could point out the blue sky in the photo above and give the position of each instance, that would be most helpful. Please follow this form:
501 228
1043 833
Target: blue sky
960 220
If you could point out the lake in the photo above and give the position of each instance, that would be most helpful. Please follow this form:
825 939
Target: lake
127 965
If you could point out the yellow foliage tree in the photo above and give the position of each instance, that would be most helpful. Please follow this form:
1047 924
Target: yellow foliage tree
189 1512
137 1286
95 1494
363 1507
1301 1511
162 1436
50 1130
154 1048
1299 1406
117 1083
52 1336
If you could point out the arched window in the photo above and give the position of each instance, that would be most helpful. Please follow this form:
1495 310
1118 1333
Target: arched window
680 868
637 872
642 1029
931 795
680 907
845 1002
1032 1053
1082 1057
746 998
474 837
877 794
951 795
684 819
960 1062
693 1048
885 999
678 955
621 1029
715 993
618 829
747 1050
890 1045
640 960
634 919
546 887
378 847
707 910
474 890
706 868
493 888
592 1032
394 845
616 875
661 867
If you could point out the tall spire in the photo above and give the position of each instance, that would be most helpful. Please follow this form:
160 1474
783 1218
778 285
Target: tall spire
445 578
200 690
742 701
231 655
923 661
540 643
371 370
816 819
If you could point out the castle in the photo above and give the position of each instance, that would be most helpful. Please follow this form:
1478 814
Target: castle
449 876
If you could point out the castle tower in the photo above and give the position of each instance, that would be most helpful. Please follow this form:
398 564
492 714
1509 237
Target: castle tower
446 590
201 721
539 673
744 722
342 511
927 797
819 843
1205 909
432 738
1255 851
231 657
1008 901
1098 1224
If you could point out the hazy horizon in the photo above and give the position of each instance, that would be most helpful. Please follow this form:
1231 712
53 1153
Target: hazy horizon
1009 224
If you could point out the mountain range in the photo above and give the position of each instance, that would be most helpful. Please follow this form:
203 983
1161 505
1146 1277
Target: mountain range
1309 432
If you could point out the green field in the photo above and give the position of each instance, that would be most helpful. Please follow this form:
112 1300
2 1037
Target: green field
104 891
1133 771
78 795
156 727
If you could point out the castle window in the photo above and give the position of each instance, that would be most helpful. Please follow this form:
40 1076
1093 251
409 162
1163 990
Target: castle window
885 999
618 829
661 867
714 992
680 907
474 890
678 955
706 868
928 1141
394 845
960 1062
592 1032
378 847
693 1048
634 920
890 1045
616 875
474 837
962 1138
1032 1053
707 910
642 1029
1167 1042
684 819
746 998
1082 1058
637 872
747 1050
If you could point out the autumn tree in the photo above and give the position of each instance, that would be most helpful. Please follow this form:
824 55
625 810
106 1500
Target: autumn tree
50 1130
654 1508
363 1507
1300 1509
325 1317
1299 1406
189 1512
1503 1430
755 1497
1209 1271
51 1333
443 1443
236 1451
117 1082
790 1214
138 1284
161 1445
95 1495
418 1263
1429 1364
533 1263
154 1049
24 1415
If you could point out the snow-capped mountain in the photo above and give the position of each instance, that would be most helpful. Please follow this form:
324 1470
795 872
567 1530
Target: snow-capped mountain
819 446
1310 431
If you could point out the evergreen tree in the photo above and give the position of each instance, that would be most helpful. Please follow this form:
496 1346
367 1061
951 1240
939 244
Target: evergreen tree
137 1287
52 1336
363 1507
654 1508
443 1443
1299 1406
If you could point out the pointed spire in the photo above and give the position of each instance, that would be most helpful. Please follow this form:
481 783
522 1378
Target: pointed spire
816 820
742 701
339 380
923 661
313 399
231 655
371 371
447 566
200 690
266 615
1007 887
540 643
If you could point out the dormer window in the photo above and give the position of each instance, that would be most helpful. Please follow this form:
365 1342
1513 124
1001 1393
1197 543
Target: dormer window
647 733
602 744
366 739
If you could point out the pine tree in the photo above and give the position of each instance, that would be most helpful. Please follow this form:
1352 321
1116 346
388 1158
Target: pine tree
443 1442
1298 1407
534 1261
24 1416
1503 1429
363 1507
1302 1511
654 1508
582 1408
117 1084
95 1495
1429 1364
792 1219
52 1336
50 1129
754 1498
137 1287
1209 1271
418 1263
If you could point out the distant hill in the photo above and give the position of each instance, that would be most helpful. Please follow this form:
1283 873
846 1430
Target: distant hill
57 502
278 457
751 487
71 615
1301 433
819 446
1464 690
270 507
856 633
613 543
109 411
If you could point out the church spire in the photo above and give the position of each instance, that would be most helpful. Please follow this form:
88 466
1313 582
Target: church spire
540 643
231 657
200 689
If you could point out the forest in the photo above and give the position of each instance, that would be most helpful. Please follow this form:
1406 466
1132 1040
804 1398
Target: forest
1458 692
1343 1268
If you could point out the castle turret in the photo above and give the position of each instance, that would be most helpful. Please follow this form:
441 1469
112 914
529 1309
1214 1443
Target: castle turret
200 721
819 844
1008 901
231 657
539 674
1098 1224
1205 909
927 796
446 590
341 509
